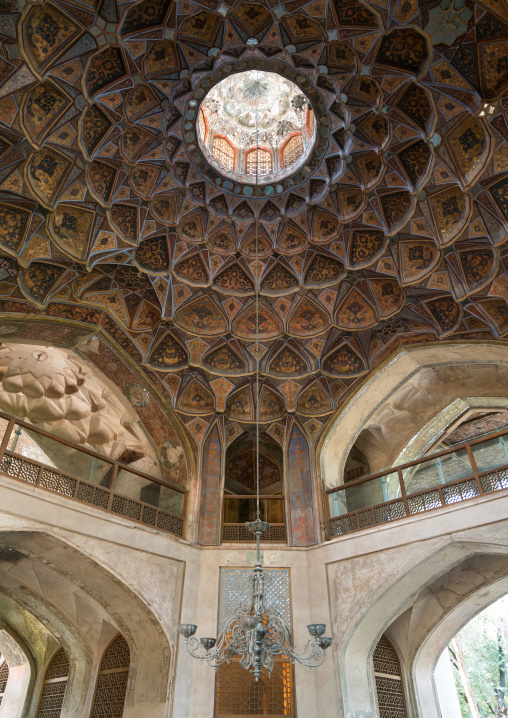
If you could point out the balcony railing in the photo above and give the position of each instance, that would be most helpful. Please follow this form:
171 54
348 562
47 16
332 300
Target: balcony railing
36 457
239 509
464 471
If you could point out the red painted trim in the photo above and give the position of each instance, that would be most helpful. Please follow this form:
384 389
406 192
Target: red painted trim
223 137
291 134
257 147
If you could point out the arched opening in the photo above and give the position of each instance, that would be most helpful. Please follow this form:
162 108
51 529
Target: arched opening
388 678
292 150
479 658
224 151
4 676
111 685
258 161
54 686
240 487
424 447
17 671
357 464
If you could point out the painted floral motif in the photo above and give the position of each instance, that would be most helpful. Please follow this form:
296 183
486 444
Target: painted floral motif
168 354
153 255
234 279
343 361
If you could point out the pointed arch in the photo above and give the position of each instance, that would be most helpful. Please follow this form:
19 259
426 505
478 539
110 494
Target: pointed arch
211 489
54 686
111 686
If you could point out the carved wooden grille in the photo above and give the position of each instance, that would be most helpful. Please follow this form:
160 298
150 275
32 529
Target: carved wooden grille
238 532
54 686
387 674
293 149
263 165
238 694
112 680
224 152
33 472
4 676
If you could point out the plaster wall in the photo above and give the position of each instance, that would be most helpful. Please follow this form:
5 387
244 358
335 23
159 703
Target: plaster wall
147 583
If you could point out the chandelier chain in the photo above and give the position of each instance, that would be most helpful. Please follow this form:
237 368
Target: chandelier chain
256 297
258 633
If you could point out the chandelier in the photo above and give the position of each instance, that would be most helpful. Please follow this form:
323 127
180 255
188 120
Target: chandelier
257 632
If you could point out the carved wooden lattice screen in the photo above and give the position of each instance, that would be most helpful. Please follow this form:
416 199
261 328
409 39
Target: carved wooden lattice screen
293 149
224 152
112 681
237 693
4 676
259 162
54 686
389 687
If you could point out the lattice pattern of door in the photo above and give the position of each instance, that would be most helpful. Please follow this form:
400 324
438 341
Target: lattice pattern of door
238 694
259 162
389 687
293 149
4 677
112 680
54 686
224 152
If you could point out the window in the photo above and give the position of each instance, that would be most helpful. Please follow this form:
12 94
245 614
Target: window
292 150
258 162
112 680
4 677
238 694
54 686
224 151
389 688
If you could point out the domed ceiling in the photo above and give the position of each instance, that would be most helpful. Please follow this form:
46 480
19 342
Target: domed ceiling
393 232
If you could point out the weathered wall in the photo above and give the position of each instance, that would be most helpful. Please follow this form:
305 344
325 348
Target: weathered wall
90 574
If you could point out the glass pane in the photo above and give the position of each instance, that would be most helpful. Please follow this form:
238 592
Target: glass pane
369 493
136 487
434 472
3 426
66 459
491 454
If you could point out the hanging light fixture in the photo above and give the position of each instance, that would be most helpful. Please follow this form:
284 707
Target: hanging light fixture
258 632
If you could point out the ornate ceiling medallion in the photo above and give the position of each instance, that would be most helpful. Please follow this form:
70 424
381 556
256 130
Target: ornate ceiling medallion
292 124
256 127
